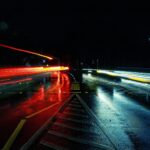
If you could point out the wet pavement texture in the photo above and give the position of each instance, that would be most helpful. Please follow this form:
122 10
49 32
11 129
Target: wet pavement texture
31 101
121 110
74 128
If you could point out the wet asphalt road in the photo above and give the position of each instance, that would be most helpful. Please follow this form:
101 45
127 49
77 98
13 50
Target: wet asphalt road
122 107
32 100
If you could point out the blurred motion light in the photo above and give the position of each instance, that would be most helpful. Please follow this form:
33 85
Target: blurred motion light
89 71
22 71
25 51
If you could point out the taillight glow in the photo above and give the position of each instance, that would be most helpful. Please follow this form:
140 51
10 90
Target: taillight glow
22 71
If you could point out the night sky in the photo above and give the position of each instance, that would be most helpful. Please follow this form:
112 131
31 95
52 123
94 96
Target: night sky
114 32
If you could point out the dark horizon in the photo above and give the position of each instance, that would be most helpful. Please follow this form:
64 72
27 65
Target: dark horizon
118 34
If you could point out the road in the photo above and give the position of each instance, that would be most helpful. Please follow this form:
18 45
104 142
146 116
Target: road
31 100
120 108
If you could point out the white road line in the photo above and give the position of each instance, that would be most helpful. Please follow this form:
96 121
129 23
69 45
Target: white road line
99 124
74 102
72 106
76 105
77 129
74 109
79 140
76 120
75 114
52 145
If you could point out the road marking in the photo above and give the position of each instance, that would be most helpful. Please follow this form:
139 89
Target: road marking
34 137
14 135
74 109
75 114
74 102
12 138
52 145
89 131
44 109
79 140
98 122
76 120
74 106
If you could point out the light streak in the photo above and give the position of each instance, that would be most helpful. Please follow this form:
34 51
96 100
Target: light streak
107 72
25 51
16 81
3 80
135 83
135 76
23 71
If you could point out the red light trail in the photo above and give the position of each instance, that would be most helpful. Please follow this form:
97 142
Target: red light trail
16 81
35 107
25 51
23 71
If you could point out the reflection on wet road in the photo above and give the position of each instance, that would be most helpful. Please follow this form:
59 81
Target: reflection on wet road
118 105
34 101
120 109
